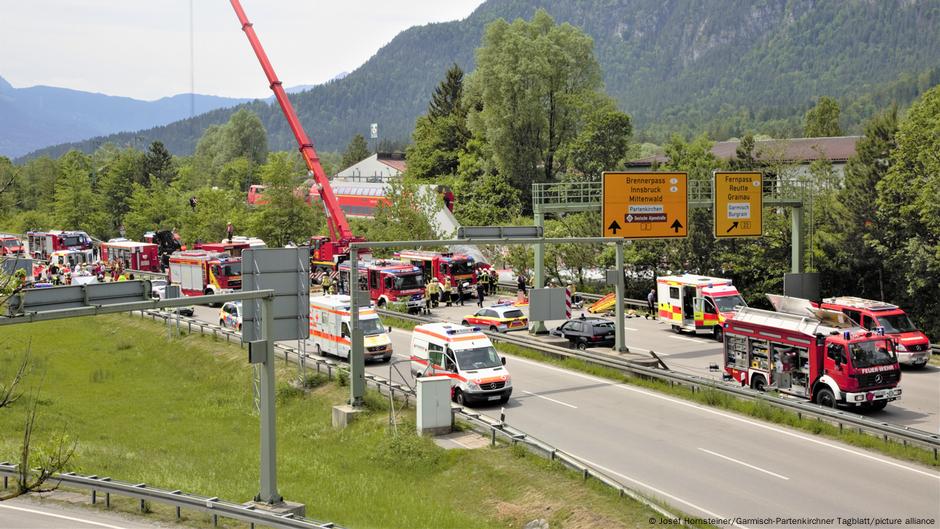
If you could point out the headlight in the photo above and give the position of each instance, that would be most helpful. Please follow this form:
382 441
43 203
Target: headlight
508 382
901 348
472 386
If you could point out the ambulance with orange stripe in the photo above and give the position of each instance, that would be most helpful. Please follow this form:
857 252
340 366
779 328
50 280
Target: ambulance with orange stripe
466 355
330 324
697 303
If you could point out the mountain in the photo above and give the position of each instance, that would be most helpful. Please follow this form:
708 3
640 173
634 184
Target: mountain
725 66
38 116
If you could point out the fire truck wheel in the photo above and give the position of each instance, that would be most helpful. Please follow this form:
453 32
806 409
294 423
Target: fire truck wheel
719 334
825 397
758 383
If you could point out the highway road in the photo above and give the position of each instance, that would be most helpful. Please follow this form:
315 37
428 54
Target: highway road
29 513
705 461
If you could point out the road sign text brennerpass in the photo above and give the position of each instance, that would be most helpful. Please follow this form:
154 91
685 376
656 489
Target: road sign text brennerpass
644 205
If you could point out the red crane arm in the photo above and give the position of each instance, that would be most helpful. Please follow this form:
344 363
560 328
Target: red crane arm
336 220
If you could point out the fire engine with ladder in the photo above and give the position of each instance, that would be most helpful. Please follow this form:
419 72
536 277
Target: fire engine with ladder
811 353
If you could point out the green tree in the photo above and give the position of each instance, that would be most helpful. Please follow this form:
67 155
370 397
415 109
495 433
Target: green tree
847 217
908 213
158 163
7 184
284 217
155 207
536 80
36 183
74 199
486 201
409 214
216 207
115 185
243 136
823 119
355 152
441 134
744 157
601 145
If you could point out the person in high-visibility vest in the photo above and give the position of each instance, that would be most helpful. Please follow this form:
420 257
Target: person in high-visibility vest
325 283
447 291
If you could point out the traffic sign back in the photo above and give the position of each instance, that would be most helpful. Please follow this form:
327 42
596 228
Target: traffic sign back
645 205
738 206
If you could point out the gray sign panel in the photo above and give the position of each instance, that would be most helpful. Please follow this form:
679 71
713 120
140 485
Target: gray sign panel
499 232
286 271
9 265
75 296
804 285
546 304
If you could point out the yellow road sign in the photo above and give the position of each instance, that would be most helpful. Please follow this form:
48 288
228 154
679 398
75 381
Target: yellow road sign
738 204
645 205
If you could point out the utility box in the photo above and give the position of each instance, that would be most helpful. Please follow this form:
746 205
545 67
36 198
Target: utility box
434 413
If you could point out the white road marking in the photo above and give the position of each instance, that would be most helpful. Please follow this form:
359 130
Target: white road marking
630 329
63 517
748 465
687 339
657 491
732 417
549 399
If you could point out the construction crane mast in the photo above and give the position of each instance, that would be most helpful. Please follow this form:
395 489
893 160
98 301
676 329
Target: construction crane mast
340 234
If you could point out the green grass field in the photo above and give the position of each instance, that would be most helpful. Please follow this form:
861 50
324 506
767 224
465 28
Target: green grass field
180 414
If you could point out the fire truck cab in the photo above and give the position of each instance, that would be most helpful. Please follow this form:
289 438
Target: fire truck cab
42 244
135 255
452 266
697 303
199 272
815 354
388 282
913 346
11 245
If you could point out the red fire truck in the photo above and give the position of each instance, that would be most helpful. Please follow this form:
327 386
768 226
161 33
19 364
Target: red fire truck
11 245
199 272
452 266
913 345
135 255
388 281
41 244
816 354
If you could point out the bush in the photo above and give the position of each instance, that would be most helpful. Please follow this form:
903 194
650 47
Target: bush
286 392
313 380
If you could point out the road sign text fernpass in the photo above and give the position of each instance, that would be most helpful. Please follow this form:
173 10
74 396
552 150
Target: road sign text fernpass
645 205
738 204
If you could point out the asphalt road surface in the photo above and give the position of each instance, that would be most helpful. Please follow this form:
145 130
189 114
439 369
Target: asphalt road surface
703 461
28 513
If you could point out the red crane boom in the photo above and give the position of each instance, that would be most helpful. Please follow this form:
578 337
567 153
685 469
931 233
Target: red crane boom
340 233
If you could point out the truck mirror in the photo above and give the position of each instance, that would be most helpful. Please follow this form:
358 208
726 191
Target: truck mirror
389 328
503 360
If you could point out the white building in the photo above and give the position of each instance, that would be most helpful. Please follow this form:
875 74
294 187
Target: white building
376 168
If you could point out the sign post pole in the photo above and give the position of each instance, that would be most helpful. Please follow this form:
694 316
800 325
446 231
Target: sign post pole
357 364
620 345
268 492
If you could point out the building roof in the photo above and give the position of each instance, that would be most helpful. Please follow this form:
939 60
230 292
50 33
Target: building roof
395 160
791 150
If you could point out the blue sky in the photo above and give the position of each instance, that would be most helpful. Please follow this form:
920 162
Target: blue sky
141 48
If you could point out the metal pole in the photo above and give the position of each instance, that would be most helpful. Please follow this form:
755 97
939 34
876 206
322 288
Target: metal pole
357 362
619 323
538 327
268 492
796 240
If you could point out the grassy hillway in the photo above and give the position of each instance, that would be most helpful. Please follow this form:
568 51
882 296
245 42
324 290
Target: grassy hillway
181 415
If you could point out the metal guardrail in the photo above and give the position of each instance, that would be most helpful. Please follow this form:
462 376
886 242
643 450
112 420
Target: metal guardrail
840 418
176 498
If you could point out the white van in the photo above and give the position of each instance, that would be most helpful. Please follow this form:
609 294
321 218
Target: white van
329 329
464 354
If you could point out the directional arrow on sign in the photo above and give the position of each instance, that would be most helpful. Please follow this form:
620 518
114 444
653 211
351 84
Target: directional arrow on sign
676 225
733 226
614 227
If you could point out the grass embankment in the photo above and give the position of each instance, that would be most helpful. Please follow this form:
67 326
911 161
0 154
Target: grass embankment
181 415
718 399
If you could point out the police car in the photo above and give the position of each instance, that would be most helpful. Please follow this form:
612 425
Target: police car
230 315
500 318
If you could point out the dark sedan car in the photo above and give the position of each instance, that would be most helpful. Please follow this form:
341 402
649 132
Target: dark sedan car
587 332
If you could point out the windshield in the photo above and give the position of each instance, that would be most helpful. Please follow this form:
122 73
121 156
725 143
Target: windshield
157 283
896 323
478 358
371 326
9 243
728 303
409 282
232 269
72 240
871 353
461 268
515 313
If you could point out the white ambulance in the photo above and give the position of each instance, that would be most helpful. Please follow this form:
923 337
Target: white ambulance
329 329
466 355
697 303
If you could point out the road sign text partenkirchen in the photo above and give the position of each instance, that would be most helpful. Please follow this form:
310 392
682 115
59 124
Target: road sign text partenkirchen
645 205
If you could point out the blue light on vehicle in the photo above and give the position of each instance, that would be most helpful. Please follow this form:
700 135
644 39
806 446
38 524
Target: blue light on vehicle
847 334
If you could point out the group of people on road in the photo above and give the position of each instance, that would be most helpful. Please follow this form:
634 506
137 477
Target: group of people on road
65 274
